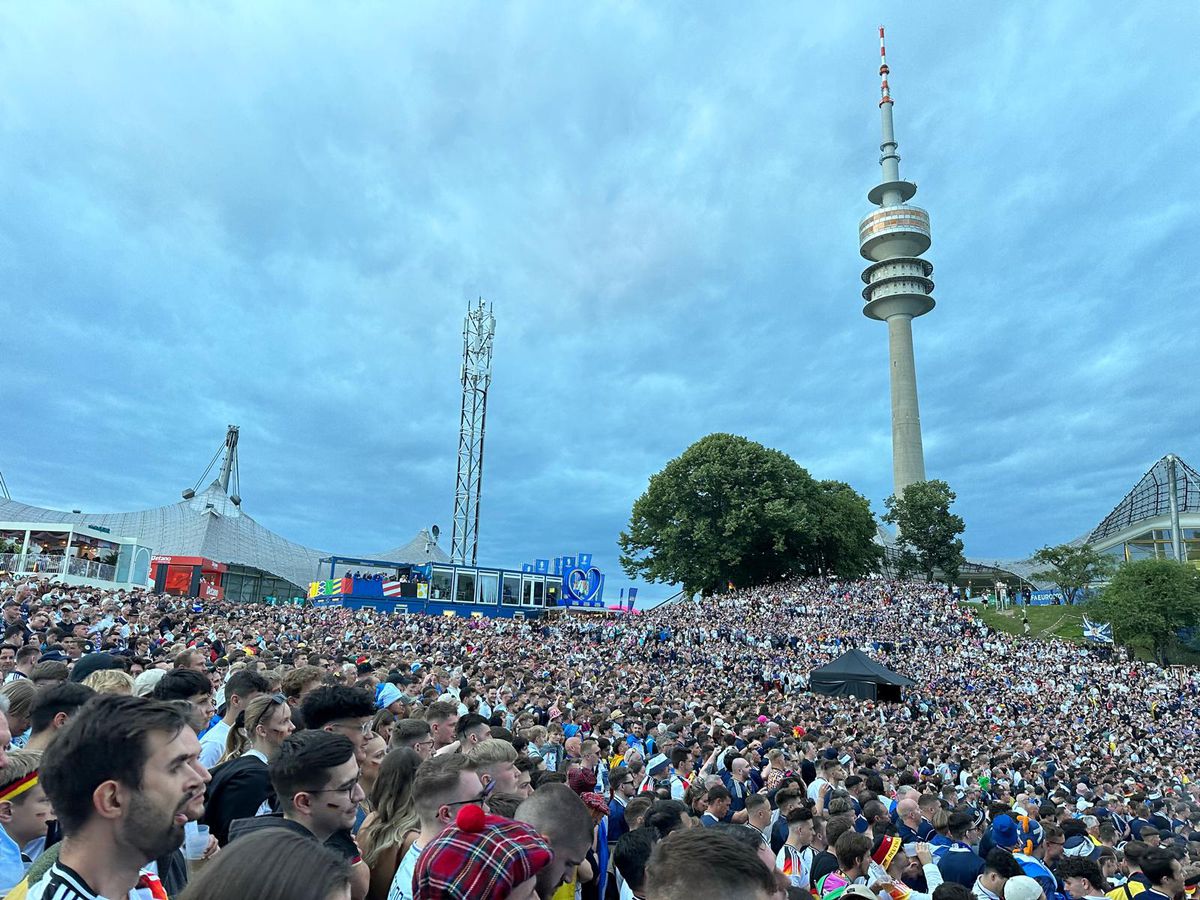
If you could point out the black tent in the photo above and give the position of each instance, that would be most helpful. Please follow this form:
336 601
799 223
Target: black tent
856 673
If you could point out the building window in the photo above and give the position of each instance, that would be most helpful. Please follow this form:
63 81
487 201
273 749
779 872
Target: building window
439 584
511 594
489 586
464 587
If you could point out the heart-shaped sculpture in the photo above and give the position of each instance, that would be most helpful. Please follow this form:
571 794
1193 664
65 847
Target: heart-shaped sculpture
583 585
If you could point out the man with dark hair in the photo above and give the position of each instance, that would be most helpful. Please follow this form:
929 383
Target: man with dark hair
826 861
442 718
998 867
706 864
315 777
470 730
876 815
1131 863
242 687
192 686
1081 878
124 776
341 710
297 684
27 658
959 862
630 857
52 708
795 858
719 799
786 800
414 734
1165 874
853 851
557 813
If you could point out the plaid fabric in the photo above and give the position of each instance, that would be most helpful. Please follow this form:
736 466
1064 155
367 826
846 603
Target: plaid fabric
479 865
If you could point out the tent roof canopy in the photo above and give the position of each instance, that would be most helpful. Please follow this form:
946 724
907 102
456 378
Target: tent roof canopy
854 665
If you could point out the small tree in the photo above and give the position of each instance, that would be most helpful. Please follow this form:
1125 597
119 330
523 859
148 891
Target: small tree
1072 567
1148 601
928 532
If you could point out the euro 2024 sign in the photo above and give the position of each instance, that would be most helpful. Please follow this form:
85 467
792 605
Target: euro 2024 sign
582 583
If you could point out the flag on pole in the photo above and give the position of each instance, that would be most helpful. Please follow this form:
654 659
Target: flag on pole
1097 632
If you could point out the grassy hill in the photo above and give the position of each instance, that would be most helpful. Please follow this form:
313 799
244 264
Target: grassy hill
1060 622
1044 621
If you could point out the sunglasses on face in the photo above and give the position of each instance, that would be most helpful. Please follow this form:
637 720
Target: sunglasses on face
479 799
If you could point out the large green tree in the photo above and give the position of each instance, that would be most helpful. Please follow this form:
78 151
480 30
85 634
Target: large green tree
1072 567
928 532
729 509
1148 601
845 534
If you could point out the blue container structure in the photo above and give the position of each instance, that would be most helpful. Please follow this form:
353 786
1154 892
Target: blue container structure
454 590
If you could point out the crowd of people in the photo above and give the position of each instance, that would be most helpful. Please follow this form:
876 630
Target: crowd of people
155 746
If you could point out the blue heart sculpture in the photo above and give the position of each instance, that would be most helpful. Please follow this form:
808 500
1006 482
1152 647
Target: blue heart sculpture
592 576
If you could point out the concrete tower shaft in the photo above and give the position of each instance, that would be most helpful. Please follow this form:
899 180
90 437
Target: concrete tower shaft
898 285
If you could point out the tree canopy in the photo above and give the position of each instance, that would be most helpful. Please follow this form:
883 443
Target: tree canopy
1148 601
928 532
1072 567
731 510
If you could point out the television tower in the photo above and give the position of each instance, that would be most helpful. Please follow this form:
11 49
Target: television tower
479 331
893 238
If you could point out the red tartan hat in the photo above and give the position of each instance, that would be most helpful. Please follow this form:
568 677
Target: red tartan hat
479 857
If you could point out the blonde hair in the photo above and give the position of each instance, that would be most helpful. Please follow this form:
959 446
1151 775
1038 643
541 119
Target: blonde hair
110 681
20 696
21 764
491 752
241 735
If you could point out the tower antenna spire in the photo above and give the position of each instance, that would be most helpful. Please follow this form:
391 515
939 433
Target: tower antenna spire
892 239
885 92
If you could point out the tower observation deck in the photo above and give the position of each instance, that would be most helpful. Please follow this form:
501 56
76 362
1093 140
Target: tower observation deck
898 288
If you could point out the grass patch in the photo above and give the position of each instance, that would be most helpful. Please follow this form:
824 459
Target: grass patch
1044 621
1064 622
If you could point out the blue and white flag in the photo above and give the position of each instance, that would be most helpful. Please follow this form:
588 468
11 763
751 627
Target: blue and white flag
1098 632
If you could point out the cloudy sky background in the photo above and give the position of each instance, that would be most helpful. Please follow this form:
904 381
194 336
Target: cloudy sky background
275 215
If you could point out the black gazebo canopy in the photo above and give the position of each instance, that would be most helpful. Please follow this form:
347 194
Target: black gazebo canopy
855 673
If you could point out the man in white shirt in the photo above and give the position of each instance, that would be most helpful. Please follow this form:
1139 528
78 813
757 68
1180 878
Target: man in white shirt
443 785
242 687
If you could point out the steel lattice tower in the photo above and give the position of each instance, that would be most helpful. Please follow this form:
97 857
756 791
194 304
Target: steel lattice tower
893 238
479 331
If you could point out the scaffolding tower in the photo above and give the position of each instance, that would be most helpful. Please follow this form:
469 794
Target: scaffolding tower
479 331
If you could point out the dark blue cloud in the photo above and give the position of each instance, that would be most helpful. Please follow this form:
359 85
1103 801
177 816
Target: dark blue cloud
275 215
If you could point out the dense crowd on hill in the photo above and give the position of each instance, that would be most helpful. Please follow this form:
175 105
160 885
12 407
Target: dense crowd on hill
161 747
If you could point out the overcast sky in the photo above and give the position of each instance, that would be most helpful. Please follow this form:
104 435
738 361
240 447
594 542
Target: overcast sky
274 215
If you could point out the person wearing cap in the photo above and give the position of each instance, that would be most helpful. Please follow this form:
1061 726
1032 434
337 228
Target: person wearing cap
1006 836
388 696
661 780
1022 887
481 857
